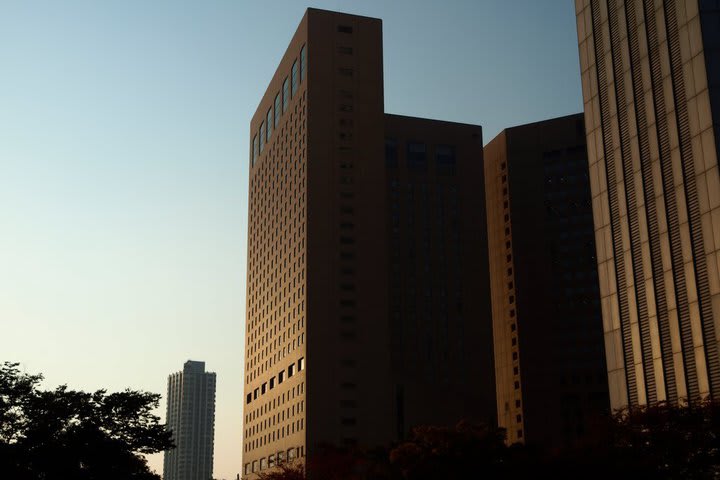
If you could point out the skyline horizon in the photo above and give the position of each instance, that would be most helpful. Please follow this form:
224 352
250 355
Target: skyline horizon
118 218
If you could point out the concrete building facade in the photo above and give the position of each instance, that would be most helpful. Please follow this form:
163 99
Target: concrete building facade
650 72
551 381
318 362
191 419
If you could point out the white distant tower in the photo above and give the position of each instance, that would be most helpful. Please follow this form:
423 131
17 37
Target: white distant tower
191 418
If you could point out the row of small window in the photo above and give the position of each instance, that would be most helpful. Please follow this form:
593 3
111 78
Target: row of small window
510 289
280 379
272 120
416 155
286 350
269 462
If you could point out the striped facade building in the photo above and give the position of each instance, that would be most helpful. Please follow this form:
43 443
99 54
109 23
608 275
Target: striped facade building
650 72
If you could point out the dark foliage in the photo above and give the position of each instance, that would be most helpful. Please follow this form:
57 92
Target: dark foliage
68 434
663 442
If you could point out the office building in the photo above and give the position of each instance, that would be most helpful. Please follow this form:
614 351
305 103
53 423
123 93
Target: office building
191 418
440 328
650 81
318 366
551 380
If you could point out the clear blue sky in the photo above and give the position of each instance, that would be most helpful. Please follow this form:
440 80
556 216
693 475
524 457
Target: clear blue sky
123 163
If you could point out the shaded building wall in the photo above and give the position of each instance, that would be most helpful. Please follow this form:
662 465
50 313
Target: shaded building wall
439 310
347 303
549 357
656 196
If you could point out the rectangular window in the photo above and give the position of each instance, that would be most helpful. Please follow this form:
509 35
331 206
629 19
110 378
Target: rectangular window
286 94
249 398
303 64
291 370
262 137
272 383
445 155
269 122
281 377
277 111
256 150
295 79
301 364
391 153
416 156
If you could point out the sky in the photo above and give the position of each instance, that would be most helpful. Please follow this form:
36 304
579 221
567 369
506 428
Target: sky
124 160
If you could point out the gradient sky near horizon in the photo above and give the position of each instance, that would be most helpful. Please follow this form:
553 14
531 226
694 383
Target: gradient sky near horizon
124 158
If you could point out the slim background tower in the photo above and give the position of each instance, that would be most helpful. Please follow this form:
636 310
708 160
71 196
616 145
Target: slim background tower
191 418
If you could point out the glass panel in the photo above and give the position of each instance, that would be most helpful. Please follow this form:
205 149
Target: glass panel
295 80
286 94
277 110
303 64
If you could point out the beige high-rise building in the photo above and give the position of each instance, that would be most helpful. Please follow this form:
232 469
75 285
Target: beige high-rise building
650 73
316 285
329 358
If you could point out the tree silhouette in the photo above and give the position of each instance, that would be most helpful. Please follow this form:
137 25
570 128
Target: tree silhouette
63 433
441 452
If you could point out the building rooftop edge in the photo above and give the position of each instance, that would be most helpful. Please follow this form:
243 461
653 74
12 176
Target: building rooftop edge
424 119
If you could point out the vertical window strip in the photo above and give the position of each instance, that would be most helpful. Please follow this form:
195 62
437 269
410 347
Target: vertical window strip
650 205
303 64
269 122
294 76
691 199
631 204
278 111
631 381
262 136
286 94
671 210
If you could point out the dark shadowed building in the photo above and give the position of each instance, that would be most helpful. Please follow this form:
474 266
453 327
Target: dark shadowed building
440 327
550 369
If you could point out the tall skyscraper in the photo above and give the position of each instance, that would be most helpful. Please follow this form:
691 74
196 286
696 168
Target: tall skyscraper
651 88
439 312
320 323
191 418
551 380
